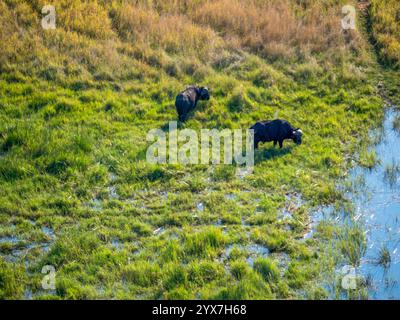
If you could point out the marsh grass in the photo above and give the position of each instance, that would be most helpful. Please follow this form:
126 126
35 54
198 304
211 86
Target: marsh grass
267 269
75 107
392 172
352 244
384 258
396 124
12 280
368 159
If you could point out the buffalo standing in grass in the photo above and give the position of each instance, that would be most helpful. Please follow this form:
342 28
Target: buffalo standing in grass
186 101
276 131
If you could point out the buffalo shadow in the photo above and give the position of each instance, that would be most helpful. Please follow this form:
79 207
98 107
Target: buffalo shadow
268 153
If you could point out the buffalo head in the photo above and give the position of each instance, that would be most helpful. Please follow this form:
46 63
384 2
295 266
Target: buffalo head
204 93
297 135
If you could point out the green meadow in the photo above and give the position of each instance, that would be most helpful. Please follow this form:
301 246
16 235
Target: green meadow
77 102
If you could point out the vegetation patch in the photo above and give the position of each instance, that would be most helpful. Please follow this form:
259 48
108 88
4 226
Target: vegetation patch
76 104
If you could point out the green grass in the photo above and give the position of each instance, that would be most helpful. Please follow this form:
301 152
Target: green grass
73 125
384 258
368 159
352 244
12 278
392 172
267 269
396 124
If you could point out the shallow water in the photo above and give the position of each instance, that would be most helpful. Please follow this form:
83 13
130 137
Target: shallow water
200 206
253 250
12 239
376 201
378 211
230 196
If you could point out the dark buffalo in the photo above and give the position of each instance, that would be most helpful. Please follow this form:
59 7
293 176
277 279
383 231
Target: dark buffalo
186 101
276 131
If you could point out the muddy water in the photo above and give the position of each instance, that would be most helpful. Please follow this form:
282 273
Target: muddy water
375 196
377 209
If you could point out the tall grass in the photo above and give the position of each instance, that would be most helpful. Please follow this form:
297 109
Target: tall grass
109 36
392 172
275 28
385 22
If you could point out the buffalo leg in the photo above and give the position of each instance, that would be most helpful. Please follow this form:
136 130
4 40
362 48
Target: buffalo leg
275 142
281 144
182 117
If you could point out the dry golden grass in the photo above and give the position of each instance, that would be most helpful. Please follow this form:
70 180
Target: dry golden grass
274 28
107 35
173 33
385 17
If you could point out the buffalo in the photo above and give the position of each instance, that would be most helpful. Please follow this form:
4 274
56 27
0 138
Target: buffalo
186 101
275 130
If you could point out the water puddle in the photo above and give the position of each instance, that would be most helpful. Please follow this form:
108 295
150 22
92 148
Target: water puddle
230 196
283 260
48 232
112 192
19 249
242 173
96 205
321 214
159 230
10 239
116 243
200 206
218 223
252 250
164 195
112 177
293 203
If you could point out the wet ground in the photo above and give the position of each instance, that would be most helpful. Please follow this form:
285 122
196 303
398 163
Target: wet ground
378 210
375 195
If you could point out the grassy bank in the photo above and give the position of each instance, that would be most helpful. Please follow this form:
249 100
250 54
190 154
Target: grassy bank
77 102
